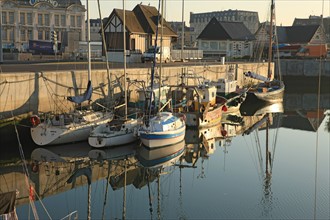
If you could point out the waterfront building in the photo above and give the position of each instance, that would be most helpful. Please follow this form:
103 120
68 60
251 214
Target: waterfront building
230 39
198 21
141 25
315 20
24 20
188 32
291 38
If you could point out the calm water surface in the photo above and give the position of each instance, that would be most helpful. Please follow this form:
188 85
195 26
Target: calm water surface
227 181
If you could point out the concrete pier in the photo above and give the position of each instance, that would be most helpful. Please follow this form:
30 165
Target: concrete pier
31 93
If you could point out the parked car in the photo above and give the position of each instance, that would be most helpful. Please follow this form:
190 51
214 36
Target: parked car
150 54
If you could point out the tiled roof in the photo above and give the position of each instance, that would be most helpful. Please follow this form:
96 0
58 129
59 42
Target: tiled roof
295 34
148 16
143 19
301 34
132 24
216 30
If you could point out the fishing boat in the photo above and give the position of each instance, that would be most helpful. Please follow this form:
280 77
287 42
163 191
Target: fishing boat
73 126
269 90
116 132
202 108
228 92
165 128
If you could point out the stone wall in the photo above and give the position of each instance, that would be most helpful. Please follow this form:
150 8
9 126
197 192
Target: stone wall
310 67
31 93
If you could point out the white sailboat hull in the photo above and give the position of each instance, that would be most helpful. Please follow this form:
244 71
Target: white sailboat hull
272 96
48 134
103 136
165 129
161 140
111 141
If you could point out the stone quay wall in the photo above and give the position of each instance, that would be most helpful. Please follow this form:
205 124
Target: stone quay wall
32 93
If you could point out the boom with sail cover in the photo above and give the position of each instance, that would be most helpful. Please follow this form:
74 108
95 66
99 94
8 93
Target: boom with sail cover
86 96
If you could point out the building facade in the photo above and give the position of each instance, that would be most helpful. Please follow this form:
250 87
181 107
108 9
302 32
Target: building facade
226 39
140 28
188 31
198 21
24 20
315 20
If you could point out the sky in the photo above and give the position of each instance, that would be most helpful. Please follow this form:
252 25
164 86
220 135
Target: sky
286 10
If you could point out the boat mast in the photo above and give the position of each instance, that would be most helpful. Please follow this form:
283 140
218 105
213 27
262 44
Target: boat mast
270 44
153 65
105 54
88 43
161 54
267 146
124 190
124 50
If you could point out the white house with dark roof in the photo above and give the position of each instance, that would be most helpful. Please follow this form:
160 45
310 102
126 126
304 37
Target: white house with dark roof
230 39
141 26
296 35
292 37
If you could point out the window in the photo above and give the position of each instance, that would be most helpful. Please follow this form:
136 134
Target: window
4 17
46 19
40 35
11 17
79 21
29 18
23 36
57 20
222 45
11 35
214 45
22 18
40 19
72 21
47 35
132 44
63 20
30 35
4 35
205 45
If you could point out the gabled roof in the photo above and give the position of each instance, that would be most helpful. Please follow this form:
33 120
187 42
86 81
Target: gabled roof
132 24
143 19
148 16
294 34
216 30
301 34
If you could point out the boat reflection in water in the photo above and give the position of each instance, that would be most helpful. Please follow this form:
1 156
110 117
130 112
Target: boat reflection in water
160 157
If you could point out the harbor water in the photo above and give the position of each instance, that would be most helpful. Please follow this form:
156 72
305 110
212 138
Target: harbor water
224 176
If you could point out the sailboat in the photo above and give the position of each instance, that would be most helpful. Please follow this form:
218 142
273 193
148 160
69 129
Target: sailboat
165 128
268 90
74 126
117 132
